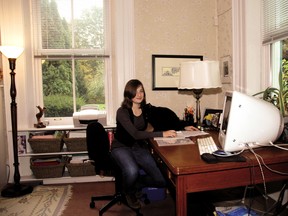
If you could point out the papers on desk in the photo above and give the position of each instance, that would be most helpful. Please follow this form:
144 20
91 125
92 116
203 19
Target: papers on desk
190 133
173 141
181 139
182 135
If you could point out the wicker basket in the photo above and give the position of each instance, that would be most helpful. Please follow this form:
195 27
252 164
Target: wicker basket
44 145
51 171
81 169
75 144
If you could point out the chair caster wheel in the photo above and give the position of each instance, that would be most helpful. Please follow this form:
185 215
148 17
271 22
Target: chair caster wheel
92 204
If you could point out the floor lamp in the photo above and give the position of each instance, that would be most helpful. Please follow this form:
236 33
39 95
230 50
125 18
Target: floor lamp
197 76
16 189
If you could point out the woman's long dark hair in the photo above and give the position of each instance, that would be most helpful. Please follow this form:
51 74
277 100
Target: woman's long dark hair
130 92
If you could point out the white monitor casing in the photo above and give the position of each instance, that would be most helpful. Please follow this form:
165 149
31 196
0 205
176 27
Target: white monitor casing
251 121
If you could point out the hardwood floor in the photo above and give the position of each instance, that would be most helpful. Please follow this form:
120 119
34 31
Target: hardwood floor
79 204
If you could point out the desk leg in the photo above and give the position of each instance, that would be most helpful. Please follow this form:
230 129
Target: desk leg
181 197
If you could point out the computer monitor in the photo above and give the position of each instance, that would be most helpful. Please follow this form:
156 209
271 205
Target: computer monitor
248 120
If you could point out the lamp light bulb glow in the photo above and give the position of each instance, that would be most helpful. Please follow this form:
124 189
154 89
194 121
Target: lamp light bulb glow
11 51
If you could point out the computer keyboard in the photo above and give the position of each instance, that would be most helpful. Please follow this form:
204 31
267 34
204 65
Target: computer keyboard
206 145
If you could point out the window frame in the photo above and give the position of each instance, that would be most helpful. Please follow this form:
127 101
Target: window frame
39 54
275 62
252 60
274 30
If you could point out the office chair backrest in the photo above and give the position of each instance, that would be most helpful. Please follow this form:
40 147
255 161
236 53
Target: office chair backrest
98 148
162 118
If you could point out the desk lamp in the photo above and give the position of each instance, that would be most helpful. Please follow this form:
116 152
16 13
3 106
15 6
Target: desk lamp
16 189
199 75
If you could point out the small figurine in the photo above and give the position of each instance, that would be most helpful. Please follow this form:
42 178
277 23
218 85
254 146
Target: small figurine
38 116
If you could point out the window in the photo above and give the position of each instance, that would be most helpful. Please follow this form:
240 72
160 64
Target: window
279 59
71 54
275 35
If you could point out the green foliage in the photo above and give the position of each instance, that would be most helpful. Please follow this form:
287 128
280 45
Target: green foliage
91 87
57 77
96 87
61 105
56 33
89 30
279 97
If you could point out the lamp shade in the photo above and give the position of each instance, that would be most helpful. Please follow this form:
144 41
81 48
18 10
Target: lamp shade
199 75
11 51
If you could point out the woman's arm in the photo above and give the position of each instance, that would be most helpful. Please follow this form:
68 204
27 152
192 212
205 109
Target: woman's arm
124 119
190 128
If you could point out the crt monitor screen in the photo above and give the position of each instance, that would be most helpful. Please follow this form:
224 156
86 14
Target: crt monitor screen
226 112
248 120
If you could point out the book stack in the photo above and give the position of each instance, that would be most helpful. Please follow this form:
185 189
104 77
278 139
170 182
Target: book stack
52 167
46 161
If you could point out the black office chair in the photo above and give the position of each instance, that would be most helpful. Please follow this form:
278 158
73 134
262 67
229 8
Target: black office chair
99 150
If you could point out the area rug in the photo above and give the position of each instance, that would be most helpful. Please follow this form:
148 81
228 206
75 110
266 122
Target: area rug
43 201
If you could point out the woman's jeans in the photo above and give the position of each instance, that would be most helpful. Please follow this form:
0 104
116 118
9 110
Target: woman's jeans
131 161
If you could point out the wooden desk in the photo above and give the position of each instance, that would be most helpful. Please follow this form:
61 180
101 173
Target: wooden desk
188 173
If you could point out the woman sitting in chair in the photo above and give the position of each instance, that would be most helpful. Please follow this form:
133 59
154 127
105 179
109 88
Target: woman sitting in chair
129 147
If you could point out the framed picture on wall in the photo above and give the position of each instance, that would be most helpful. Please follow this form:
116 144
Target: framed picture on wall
166 70
226 69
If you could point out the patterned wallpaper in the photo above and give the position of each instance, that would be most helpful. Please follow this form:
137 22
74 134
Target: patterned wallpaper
179 27
224 28
225 39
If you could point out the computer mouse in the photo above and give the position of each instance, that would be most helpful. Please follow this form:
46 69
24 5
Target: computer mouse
209 158
219 152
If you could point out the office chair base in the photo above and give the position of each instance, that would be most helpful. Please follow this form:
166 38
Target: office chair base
117 198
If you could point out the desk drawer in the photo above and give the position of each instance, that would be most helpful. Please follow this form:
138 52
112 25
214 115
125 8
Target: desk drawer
164 169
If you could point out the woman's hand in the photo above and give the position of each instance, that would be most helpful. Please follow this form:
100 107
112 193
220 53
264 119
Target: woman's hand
169 133
191 128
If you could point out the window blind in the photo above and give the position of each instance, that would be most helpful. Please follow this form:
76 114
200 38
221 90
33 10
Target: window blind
275 20
70 28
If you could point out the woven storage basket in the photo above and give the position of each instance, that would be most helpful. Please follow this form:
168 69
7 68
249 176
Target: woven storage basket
81 169
75 144
51 171
44 145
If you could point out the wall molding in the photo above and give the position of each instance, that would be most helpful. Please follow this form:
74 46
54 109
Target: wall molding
238 41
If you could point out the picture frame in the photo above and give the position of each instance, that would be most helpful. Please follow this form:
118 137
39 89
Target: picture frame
166 70
226 69
215 115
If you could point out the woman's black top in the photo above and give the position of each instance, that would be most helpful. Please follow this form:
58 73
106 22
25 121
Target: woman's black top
130 129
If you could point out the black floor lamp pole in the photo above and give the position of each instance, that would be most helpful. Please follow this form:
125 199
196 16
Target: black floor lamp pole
16 189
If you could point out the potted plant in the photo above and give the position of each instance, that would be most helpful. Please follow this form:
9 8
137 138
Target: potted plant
278 96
